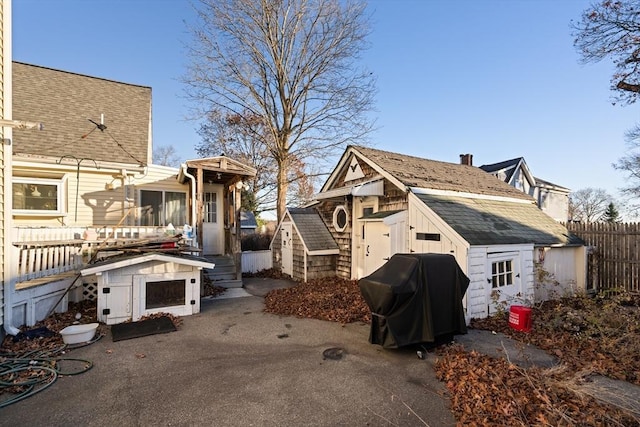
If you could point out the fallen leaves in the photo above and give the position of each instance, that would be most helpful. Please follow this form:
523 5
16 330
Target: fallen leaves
601 334
486 390
332 299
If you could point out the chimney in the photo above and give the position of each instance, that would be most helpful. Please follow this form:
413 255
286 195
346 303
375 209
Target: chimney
466 159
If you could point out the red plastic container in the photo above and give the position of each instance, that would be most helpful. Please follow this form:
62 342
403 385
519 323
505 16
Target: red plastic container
520 318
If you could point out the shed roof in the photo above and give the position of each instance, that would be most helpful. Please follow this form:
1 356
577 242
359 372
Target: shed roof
485 221
313 231
432 174
65 102
128 260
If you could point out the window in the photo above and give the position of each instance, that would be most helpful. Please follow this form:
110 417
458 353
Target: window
161 208
211 207
340 218
501 273
38 196
428 236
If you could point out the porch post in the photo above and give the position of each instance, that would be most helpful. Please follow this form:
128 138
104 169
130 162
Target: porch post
237 246
199 207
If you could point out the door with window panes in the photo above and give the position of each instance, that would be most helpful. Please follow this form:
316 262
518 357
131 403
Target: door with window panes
212 227
503 280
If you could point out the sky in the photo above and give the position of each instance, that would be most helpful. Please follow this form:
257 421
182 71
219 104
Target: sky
498 79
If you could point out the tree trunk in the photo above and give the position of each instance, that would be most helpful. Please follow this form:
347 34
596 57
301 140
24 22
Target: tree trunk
283 185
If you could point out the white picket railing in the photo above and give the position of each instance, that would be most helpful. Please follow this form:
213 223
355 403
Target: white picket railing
41 252
255 261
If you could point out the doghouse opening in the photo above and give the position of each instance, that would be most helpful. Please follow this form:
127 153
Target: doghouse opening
166 293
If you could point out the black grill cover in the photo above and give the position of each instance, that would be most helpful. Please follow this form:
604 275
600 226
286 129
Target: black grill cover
415 298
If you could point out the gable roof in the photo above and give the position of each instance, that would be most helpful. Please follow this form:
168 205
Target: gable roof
248 220
417 172
494 222
509 167
315 235
65 102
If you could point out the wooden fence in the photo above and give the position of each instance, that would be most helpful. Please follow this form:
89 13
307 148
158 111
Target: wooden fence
614 256
255 261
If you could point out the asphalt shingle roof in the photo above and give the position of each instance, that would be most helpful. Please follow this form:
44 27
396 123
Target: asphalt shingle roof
493 222
64 102
313 230
432 174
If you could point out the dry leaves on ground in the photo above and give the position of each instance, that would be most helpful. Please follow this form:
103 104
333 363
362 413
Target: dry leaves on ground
336 300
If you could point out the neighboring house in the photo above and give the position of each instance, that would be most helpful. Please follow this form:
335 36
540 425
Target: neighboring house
553 199
377 203
248 223
87 178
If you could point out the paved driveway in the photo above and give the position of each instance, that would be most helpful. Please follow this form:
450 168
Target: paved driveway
234 365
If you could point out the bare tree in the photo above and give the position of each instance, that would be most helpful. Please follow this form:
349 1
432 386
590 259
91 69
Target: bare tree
610 29
166 156
294 64
236 136
588 204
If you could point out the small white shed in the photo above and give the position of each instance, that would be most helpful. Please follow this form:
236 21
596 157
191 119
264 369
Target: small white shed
135 286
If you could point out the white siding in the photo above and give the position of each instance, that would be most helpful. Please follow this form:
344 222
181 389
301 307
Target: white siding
424 220
5 151
479 291
562 272
104 195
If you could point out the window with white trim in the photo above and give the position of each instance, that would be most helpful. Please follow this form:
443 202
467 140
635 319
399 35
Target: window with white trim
38 196
161 208
501 273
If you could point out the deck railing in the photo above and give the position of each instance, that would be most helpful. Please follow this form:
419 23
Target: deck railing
42 252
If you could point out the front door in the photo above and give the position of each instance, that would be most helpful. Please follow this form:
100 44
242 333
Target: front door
377 246
212 227
287 248
503 281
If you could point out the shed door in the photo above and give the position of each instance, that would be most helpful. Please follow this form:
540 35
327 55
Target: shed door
377 246
114 301
212 227
287 248
503 280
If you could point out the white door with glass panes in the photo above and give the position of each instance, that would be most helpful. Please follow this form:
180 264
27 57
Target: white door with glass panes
213 224
503 281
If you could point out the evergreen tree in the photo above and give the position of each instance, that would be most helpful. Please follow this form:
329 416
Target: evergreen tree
611 214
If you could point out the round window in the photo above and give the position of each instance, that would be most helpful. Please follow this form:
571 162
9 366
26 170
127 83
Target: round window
340 218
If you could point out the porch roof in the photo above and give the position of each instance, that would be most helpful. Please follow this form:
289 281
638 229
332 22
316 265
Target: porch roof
218 170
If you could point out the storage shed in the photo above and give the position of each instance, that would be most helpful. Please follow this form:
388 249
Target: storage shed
302 246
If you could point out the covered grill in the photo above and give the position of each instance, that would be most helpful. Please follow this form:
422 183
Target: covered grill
415 298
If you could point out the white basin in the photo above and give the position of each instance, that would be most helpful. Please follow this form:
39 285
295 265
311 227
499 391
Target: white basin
75 334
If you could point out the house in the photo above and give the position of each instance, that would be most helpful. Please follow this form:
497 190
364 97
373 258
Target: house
5 149
553 199
87 181
377 203
248 223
